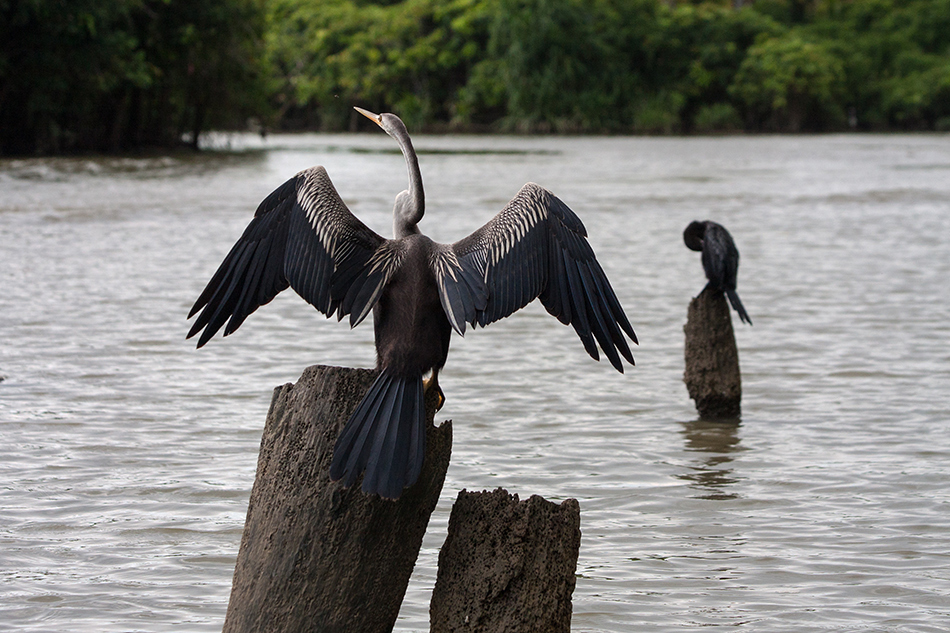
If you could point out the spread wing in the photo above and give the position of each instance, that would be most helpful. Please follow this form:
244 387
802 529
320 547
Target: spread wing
535 248
302 236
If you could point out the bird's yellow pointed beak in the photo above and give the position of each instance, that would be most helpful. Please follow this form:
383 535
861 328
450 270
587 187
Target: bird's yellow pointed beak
375 118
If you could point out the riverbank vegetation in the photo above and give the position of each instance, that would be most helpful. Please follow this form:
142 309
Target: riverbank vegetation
114 75
111 76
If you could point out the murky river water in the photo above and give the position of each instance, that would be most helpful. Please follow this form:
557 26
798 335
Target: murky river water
127 457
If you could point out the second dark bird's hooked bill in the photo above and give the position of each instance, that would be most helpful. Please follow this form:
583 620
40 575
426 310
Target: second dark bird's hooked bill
304 237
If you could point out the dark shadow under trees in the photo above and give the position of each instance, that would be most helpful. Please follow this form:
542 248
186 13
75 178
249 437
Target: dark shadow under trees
86 75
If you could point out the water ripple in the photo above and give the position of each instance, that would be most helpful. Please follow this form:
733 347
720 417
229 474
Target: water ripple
127 457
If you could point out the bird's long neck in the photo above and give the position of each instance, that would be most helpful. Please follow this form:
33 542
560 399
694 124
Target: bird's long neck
416 192
409 209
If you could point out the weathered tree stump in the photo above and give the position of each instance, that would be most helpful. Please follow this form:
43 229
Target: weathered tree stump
712 360
316 556
506 565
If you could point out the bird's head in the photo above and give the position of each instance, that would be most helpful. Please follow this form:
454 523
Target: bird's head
694 234
410 204
390 123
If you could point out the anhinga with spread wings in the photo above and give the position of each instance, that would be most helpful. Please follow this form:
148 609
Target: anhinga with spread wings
720 259
303 236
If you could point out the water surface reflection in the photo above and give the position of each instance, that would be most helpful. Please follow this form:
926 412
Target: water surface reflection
711 473
128 457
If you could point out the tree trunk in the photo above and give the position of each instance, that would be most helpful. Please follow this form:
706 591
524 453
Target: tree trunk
507 565
316 556
712 360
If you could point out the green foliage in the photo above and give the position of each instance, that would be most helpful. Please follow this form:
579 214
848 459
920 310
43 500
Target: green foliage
90 75
788 82
895 55
563 65
567 65
609 65
717 117
412 57
700 51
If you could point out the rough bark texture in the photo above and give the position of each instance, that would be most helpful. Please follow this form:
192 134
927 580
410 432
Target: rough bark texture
712 360
506 565
316 556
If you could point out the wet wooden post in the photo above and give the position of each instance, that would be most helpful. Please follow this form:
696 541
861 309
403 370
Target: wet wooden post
506 565
315 556
712 360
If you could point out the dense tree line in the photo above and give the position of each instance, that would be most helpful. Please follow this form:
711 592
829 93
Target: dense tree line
117 74
643 66
110 75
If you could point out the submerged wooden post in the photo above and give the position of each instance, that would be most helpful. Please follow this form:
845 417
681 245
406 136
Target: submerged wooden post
506 565
316 556
712 361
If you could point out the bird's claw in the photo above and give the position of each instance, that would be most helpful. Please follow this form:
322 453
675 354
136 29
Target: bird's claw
430 383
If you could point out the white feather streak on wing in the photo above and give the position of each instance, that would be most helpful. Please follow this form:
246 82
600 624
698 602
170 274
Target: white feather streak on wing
518 226
480 259
310 193
387 258
442 267
369 304
444 263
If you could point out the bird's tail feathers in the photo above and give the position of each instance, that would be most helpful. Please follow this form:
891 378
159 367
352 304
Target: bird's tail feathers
737 305
385 437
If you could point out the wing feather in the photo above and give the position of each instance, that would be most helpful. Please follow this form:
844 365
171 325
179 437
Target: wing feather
599 326
370 279
302 236
557 294
536 247
579 306
715 255
614 324
247 291
221 304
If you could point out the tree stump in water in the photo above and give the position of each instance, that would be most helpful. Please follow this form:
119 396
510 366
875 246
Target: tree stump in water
712 360
506 565
316 556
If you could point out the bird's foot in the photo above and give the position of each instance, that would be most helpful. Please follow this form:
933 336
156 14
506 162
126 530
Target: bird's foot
431 383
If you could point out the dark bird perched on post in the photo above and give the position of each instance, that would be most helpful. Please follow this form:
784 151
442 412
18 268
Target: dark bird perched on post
720 259
303 236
